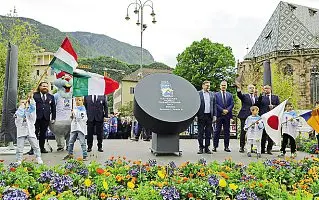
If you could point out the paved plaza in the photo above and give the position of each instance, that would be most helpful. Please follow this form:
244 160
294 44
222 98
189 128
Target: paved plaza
140 151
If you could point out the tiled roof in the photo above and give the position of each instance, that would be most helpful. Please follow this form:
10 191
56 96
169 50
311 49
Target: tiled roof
145 71
290 26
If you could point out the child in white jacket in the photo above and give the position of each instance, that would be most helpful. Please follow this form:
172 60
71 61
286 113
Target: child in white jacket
254 127
25 118
78 128
289 130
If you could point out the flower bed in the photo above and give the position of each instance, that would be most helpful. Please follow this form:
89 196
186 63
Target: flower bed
120 178
307 145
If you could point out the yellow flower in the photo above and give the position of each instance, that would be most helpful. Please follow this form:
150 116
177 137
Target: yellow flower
233 186
52 193
222 183
105 185
161 174
130 185
87 182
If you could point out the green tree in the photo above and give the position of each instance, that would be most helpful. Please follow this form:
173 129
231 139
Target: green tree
205 60
127 109
24 36
283 86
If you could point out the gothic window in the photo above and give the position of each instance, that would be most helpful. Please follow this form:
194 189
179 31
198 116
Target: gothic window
314 83
288 70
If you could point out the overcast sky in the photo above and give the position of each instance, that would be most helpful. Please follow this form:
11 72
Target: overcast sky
235 23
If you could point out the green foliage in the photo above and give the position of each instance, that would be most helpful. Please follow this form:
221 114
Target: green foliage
205 60
23 35
283 86
127 109
85 44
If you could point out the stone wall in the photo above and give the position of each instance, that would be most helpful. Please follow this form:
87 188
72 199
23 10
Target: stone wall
298 62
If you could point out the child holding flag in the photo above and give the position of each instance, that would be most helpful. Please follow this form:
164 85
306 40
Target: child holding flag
78 128
289 130
25 118
254 127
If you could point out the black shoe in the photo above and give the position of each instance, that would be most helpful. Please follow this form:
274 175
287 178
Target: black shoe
60 149
241 150
134 139
100 150
200 151
207 151
89 150
30 152
147 140
227 150
263 151
214 149
269 152
44 151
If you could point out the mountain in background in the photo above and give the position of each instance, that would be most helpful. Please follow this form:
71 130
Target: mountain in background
87 45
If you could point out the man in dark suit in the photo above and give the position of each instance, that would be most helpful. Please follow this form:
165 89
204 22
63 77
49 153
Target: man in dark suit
225 105
45 106
96 109
206 115
266 102
247 100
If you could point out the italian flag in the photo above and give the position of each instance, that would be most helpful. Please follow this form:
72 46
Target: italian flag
87 83
65 59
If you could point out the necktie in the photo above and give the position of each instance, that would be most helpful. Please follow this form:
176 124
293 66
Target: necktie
94 98
43 97
252 99
224 98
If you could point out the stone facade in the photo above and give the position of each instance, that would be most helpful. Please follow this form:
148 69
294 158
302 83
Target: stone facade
302 64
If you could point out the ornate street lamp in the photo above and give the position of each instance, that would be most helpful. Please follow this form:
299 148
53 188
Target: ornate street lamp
139 11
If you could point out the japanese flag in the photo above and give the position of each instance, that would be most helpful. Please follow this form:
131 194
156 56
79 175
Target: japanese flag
272 121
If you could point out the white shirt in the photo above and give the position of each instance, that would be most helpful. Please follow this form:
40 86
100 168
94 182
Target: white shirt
206 101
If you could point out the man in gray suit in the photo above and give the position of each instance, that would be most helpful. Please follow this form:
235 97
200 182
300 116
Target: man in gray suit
206 115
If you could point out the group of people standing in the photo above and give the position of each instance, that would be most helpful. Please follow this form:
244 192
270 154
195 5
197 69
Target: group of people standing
87 118
216 108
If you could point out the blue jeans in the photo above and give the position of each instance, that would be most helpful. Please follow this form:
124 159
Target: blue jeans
74 135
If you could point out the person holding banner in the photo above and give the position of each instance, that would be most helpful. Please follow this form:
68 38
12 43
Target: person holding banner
289 130
266 102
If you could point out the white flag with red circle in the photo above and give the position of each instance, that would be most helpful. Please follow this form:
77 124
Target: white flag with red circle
272 121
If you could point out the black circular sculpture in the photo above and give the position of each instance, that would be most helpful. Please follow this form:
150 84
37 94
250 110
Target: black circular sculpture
166 104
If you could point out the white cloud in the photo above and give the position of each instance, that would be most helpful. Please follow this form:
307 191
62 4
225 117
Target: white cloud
180 22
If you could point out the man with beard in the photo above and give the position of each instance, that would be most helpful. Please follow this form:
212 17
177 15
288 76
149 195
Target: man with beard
247 101
45 106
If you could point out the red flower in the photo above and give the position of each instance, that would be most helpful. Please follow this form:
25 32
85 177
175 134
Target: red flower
100 171
12 169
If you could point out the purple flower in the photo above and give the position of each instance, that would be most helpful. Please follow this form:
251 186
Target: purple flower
152 163
14 194
202 161
61 183
170 193
133 172
109 163
2 183
83 172
245 194
46 176
213 181
172 165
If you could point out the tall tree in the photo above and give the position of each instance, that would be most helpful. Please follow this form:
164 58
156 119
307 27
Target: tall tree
205 60
24 36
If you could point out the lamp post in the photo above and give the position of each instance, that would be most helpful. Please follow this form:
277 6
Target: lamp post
139 10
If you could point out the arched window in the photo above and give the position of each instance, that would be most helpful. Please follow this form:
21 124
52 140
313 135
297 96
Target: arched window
288 70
